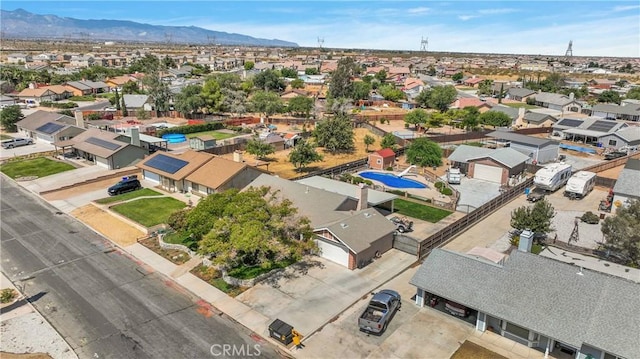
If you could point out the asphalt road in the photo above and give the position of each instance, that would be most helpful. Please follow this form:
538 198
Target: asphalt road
100 300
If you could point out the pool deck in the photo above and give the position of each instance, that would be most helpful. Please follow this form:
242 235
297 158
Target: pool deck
430 192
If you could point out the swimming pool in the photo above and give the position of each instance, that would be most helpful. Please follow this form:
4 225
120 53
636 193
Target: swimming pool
577 148
392 180
174 137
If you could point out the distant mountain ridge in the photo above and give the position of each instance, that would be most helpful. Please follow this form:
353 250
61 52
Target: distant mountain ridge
25 25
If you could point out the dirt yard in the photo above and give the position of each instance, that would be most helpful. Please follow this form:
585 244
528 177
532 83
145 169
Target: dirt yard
470 350
279 164
109 226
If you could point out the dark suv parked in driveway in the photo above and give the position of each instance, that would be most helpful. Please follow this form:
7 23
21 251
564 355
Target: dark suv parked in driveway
127 184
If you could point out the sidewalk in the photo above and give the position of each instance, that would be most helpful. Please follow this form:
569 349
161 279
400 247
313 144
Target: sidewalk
24 329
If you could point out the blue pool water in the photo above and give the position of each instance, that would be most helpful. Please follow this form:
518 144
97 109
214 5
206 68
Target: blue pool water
174 137
577 148
392 180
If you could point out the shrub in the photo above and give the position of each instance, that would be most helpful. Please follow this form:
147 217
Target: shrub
368 182
439 185
446 191
7 295
178 220
357 180
58 104
389 168
590 217
93 117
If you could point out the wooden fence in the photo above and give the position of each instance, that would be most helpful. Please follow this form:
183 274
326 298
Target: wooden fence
442 236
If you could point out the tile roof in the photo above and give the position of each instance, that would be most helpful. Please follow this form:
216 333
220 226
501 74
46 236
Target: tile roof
386 153
547 296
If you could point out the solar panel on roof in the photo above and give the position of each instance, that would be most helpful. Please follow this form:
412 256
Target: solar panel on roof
602 126
49 127
569 122
166 164
102 143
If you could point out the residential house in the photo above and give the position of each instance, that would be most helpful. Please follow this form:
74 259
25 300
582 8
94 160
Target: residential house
103 148
170 170
628 112
557 102
536 301
7 101
60 91
219 174
135 102
586 130
82 61
626 188
463 102
36 95
382 159
346 230
472 81
519 94
493 165
378 199
48 126
19 58
118 81
539 150
625 138
538 119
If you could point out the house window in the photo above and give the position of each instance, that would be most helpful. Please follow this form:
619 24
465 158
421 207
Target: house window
612 142
517 331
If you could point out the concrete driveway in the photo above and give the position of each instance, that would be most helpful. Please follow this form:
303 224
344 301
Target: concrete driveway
414 332
37 147
310 296
474 193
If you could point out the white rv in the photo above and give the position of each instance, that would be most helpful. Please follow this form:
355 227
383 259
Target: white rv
553 176
580 184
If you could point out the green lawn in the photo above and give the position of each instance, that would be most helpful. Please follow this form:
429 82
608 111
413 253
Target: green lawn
420 211
149 211
519 105
215 134
129 195
181 238
4 137
39 167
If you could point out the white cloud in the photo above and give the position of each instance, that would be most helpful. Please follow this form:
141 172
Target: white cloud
467 17
418 10
626 8
497 11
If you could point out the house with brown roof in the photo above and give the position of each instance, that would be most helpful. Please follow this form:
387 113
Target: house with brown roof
463 102
170 170
219 174
119 81
472 81
37 95
382 159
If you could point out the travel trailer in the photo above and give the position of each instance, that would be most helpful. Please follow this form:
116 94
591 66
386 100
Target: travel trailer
553 176
580 184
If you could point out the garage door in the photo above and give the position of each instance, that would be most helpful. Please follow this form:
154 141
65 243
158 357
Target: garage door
487 173
333 252
150 176
102 162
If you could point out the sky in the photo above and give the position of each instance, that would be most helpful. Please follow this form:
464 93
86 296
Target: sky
596 28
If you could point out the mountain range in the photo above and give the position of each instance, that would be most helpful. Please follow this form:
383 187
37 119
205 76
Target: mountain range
21 24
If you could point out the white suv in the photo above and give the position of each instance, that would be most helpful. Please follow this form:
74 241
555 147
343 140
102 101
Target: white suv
17 142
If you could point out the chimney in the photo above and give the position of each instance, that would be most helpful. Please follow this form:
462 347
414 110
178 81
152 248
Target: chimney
363 198
237 156
526 240
79 119
135 136
572 96
521 112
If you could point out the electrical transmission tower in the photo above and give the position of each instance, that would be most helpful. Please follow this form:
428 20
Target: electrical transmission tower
168 38
424 44
320 42
569 52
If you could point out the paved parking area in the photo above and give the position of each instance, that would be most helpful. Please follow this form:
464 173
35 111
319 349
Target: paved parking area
38 146
307 297
474 193
414 332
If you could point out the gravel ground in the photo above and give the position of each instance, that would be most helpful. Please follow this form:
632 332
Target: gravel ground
589 235
30 333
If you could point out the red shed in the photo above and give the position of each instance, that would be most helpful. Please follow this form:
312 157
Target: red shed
382 159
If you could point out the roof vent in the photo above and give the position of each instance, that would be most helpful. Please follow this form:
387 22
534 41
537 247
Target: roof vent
344 225
368 215
580 272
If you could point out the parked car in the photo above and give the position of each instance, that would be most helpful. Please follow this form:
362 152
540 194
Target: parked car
380 311
536 194
17 142
127 184
402 224
613 155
